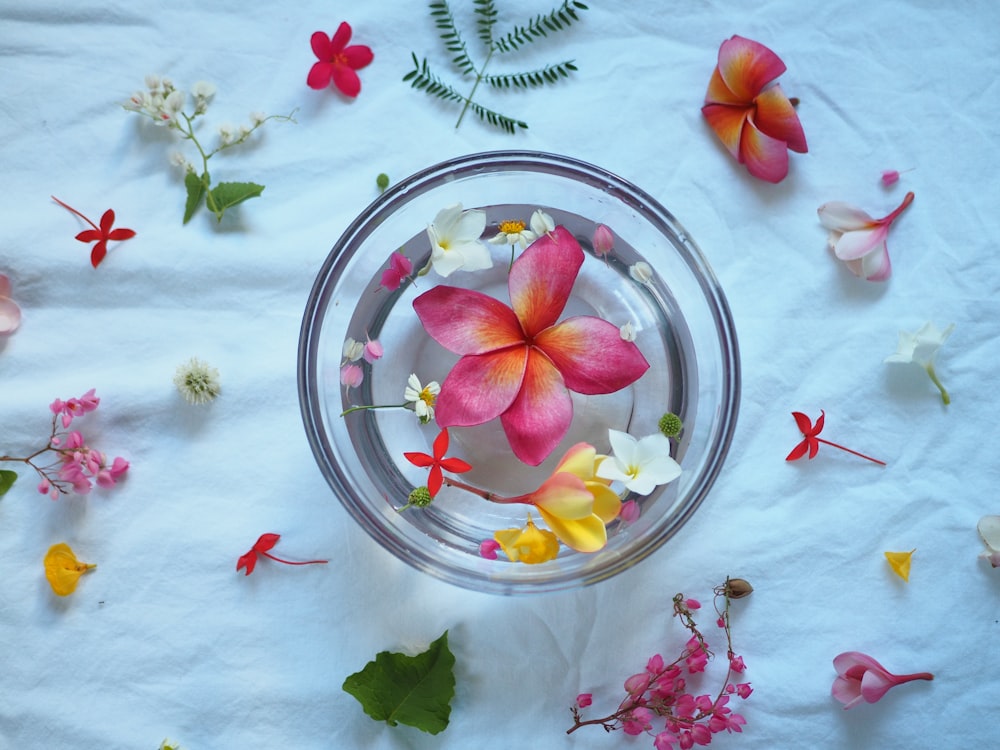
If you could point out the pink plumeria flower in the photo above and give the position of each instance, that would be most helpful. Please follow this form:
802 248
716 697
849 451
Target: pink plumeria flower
861 678
858 239
10 313
518 362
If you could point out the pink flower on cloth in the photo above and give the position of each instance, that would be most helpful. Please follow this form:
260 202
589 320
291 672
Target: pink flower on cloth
860 240
518 363
861 678
337 61
10 313
751 115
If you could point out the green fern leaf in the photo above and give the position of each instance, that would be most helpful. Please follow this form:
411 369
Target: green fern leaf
487 16
557 20
452 37
531 79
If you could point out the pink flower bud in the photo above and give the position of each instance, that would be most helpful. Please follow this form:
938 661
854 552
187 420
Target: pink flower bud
584 699
890 177
373 351
604 240
351 375
488 549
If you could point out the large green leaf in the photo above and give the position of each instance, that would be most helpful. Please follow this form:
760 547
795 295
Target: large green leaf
412 690
196 194
228 194
7 479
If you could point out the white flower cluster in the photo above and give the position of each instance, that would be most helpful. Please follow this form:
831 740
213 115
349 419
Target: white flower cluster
162 102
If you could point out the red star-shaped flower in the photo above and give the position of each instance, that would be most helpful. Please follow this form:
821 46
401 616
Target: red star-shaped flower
337 61
100 234
438 463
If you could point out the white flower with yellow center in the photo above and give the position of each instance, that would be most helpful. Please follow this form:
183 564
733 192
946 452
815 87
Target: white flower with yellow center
641 465
421 397
454 236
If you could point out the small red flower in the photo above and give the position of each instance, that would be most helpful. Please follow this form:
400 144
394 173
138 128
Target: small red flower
261 547
99 234
810 440
438 463
337 61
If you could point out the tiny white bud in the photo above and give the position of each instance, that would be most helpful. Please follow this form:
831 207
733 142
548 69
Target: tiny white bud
641 272
257 118
627 332
152 82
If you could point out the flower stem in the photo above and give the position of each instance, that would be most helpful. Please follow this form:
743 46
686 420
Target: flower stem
290 562
479 77
861 455
934 379
70 208
382 406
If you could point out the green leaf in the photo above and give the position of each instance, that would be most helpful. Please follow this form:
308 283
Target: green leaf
228 194
7 479
196 193
412 690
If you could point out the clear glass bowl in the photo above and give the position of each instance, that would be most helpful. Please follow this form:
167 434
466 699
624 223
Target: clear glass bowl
683 327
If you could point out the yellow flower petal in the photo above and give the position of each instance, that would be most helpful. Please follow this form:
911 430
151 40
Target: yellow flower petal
530 545
900 563
63 570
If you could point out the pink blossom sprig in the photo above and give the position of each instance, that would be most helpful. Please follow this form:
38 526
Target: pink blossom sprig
811 440
662 692
76 466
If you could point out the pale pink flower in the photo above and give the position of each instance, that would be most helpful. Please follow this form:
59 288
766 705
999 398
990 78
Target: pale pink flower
638 721
890 177
861 678
373 350
629 512
858 239
488 549
604 241
10 313
736 664
351 375
584 699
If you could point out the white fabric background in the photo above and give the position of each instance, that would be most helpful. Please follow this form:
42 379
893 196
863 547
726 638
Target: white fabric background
165 639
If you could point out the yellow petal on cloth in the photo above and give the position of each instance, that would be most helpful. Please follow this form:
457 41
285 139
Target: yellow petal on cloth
63 570
900 563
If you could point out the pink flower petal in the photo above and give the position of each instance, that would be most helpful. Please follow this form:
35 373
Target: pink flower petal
346 80
766 158
340 37
728 123
747 66
10 316
540 415
320 44
591 355
541 279
874 684
480 387
319 75
860 242
719 93
843 217
358 56
776 116
5 286
467 322
875 266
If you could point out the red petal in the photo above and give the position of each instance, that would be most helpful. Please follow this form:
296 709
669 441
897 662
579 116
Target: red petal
481 387
121 234
340 37
747 66
591 355
467 322
813 446
728 123
248 561
434 480
266 542
541 414
455 465
107 221
798 451
321 46
419 459
441 444
775 116
766 158
89 235
818 427
319 75
98 253
358 56
346 80
541 279
803 422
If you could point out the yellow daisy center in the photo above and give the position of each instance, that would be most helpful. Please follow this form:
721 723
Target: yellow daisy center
511 227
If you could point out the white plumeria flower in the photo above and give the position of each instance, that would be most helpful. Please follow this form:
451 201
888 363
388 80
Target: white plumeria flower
454 236
921 348
422 397
641 464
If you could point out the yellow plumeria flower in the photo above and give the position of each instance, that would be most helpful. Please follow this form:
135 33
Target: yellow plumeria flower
900 563
63 570
529 545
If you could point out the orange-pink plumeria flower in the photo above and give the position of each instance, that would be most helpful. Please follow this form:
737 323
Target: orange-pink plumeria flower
861 678
860 240
749 111
518 363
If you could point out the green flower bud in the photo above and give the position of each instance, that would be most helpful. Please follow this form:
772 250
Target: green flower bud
420 497
382 181
671 425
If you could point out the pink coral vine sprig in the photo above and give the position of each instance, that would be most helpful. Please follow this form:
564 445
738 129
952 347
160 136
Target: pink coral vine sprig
77 466
662 691
811 440
99 235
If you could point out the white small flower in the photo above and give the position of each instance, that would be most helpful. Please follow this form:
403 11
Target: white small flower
920 348
244 132
422 397
541 223
989 532
454 236
641 272
353 350
627 332
226 133
174 102
641 464
257 118
512 232
197 382
152 82
203 90
177 159
167 83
